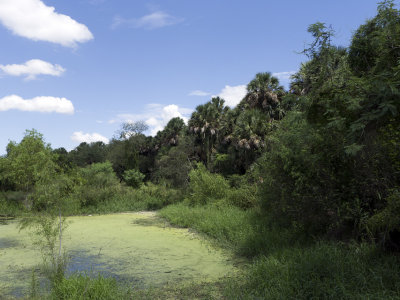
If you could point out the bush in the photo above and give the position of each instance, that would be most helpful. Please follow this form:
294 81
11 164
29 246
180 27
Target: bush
133 178
244 197
206 187
148 197
11 203
99 184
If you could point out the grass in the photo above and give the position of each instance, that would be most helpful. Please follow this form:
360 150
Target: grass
82 286
243 231
322 271
287 266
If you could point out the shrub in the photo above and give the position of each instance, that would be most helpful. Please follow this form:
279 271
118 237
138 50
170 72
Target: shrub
99 184
243 197
133 178
206 187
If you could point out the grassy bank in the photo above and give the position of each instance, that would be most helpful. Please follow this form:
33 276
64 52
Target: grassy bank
286 266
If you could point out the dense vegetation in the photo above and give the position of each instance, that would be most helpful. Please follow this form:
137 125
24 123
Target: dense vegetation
306 181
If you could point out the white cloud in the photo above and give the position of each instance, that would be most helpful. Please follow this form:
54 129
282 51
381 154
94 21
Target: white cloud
80 137
33 68
157 19
156 116
38 104
233 94
34 20
199 93
283 75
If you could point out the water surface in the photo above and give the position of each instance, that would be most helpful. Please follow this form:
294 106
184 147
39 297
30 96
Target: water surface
138 249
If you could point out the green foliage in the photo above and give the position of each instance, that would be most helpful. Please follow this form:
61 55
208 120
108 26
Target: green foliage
172 132
11 204
56 195
148 197
85 154
388 219
173 167
264 93
331 165
205 123
98 184
206 187
29 161
230 226
133 178
48 230
323 271
243 197
81 286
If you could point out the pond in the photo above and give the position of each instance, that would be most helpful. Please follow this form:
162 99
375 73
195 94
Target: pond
138 249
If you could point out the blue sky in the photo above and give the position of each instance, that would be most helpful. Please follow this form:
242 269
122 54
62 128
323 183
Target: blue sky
74 70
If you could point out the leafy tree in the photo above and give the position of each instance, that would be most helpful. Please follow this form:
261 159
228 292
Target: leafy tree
173 167
87 154
29 161
132 150
330 165
63 159
98 183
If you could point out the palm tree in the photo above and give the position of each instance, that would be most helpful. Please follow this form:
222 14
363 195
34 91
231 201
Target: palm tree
264 93
205 123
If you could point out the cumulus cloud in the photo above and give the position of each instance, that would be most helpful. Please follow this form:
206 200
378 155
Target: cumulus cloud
34 20
32 68
80 137
38 104
157 19
233 94
156 116
199 93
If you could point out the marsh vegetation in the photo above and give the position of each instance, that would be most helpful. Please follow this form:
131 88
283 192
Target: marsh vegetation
300 186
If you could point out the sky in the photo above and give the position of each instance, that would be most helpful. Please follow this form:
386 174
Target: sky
74 70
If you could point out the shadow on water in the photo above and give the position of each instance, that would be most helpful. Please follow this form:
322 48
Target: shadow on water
80 262
8 243
152 221
4 220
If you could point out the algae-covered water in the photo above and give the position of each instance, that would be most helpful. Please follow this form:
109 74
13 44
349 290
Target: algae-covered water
137 249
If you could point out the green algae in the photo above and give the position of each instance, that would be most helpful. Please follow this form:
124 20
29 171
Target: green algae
138 249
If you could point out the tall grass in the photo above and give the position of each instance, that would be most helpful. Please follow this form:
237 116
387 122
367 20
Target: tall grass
322 271
82 286
286 265
244 232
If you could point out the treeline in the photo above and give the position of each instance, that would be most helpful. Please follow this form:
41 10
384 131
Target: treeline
322 158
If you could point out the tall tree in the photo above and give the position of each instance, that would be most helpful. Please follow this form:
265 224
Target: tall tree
205 123
264 93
